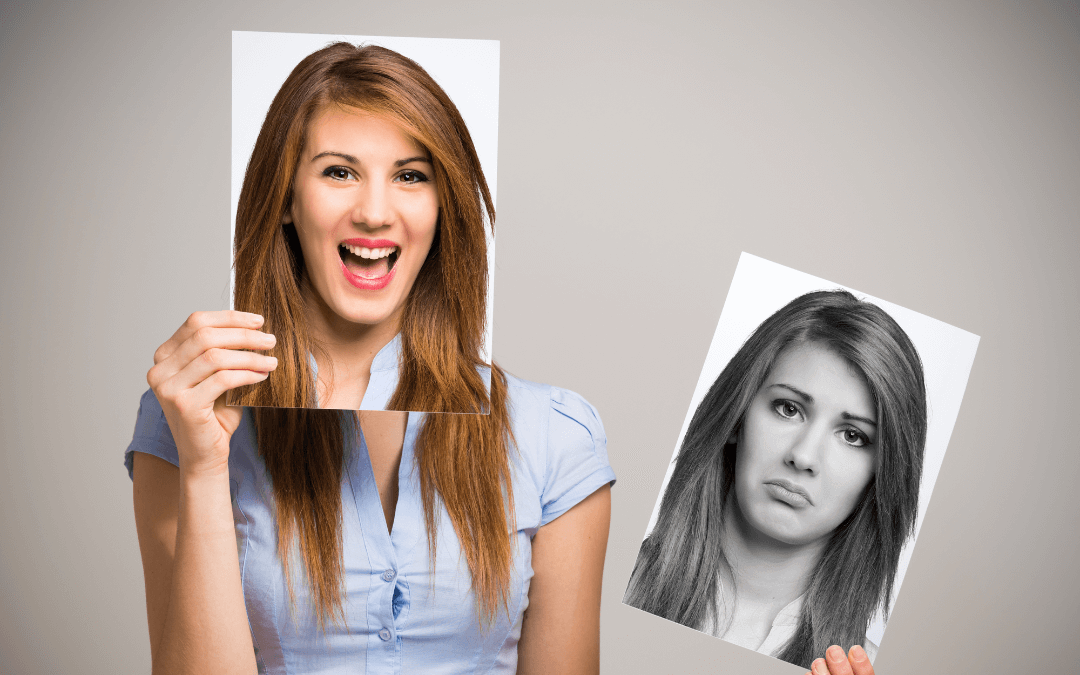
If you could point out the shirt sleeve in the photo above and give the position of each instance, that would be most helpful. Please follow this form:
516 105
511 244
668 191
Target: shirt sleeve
152 434
577 463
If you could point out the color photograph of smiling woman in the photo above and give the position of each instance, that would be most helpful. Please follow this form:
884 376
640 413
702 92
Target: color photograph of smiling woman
352 279
795 486
297 540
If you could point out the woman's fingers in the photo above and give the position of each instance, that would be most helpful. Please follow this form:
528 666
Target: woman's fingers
217 359
197 385
199 320
211 388
860 662
204 341
836 662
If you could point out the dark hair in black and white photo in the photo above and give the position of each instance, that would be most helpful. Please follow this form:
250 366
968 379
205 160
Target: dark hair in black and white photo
680 564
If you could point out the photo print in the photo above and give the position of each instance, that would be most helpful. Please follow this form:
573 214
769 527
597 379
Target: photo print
804 467
362 218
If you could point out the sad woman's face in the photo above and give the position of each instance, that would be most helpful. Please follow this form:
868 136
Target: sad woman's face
807 447
365 206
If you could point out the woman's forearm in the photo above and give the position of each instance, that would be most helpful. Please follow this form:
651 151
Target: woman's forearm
206 626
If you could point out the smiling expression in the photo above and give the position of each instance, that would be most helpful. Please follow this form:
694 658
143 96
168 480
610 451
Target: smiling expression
807 446
365 206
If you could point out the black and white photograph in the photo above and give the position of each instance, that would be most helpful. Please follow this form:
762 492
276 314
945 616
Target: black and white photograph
804 467
340 227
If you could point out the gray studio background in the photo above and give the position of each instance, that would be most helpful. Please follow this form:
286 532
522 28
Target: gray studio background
924 153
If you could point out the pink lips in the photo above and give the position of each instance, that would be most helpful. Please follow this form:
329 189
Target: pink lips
370 243
364 283
368 284
788 492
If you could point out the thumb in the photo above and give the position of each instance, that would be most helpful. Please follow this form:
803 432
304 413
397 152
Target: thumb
228 415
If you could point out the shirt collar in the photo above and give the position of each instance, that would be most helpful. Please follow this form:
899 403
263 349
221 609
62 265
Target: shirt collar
789 615
388 356
381 386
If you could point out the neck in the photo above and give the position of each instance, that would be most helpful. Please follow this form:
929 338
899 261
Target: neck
345 352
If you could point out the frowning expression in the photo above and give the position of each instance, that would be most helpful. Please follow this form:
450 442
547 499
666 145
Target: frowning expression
807 446
365 206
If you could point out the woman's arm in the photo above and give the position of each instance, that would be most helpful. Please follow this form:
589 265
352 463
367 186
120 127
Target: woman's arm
855 662
194 599
560 631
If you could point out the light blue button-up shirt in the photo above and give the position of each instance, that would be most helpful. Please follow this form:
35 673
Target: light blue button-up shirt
402 615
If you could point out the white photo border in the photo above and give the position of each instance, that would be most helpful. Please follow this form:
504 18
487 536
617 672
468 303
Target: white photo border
760 288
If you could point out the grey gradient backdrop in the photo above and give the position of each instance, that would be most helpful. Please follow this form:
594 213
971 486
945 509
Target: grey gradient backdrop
925 153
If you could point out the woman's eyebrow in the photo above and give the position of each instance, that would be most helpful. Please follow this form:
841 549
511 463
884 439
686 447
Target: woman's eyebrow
418 158
333 153
858 418
807 398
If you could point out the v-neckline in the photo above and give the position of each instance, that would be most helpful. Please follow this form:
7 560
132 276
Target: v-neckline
408 512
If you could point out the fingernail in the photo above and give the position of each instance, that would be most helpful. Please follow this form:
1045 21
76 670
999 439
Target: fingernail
818 666
835 654
271 339
273 362
858 654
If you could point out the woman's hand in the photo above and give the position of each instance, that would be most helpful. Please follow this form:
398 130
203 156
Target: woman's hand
192 371
855 662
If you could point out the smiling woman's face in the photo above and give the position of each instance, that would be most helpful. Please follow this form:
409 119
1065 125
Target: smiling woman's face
365 206
807 446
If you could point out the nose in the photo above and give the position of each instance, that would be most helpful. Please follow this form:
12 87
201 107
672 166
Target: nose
807 450
373 207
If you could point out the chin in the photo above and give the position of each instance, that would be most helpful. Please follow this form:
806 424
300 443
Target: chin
781 527
366 316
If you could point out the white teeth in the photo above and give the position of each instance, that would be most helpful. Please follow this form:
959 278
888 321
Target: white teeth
369 253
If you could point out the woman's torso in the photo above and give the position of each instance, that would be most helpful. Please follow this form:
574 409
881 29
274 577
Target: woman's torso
402 615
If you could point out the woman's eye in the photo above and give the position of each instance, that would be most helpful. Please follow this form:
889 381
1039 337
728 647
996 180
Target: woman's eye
412 177
338 173
854 437
786 409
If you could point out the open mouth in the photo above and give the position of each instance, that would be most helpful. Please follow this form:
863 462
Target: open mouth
368 263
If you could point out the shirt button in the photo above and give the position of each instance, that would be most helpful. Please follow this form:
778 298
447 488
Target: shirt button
388 575
384 635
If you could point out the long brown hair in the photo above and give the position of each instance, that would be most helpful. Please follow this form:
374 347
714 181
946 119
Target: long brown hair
463 459
680 564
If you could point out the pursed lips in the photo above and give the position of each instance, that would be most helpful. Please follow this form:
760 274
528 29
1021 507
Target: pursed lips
791 487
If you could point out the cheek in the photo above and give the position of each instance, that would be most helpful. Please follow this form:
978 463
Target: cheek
849 485
423 218
320 207
760 443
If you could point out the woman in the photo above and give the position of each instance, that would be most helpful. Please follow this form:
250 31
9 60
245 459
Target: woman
795 487
289 540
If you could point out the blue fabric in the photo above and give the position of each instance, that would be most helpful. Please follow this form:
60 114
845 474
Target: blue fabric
401 616
384 376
